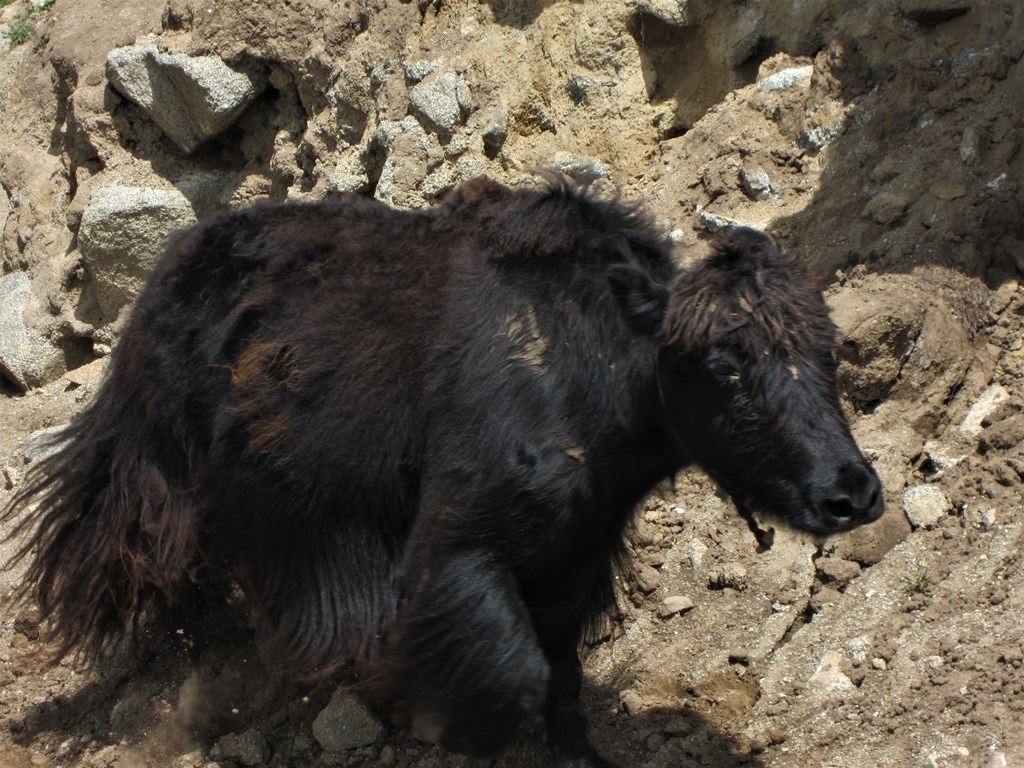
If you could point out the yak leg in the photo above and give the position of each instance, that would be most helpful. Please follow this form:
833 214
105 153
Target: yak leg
466 662
566 725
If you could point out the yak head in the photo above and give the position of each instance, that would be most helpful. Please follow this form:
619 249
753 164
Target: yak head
747 372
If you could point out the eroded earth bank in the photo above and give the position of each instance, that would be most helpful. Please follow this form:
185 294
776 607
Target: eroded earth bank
882 140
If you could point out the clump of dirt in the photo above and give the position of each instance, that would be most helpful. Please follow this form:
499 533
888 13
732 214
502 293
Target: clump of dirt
881 142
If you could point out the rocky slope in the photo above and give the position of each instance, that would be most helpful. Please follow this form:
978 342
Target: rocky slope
882 140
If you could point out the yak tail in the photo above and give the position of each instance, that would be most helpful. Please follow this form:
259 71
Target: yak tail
107 524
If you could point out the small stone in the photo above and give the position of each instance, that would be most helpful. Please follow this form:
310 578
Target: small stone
925 505
348 177
88 373
970 146
417 70
10 478
407 147
437 182
346 723
655 742
996 183
246 748
441 101
756 183
496 130
673 605
191 760
581 168
942 457
837 571
631 701
730 576
715 224
458 146
694 551
794 77
828 677
128 711
647 579
122 234
824 596
27 622
879 664
998 760
932 12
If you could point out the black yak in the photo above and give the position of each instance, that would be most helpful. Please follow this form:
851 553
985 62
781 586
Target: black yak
415 439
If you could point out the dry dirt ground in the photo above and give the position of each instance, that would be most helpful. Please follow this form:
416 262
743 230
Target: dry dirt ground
893 164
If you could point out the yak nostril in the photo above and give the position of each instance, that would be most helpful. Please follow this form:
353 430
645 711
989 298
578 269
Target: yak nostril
857 494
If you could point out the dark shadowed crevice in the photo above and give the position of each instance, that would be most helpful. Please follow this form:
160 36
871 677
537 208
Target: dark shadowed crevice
681 68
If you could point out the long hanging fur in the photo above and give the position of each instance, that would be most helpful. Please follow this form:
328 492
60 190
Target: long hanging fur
109 537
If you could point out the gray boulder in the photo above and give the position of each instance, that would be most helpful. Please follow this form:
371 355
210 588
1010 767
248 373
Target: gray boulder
26 358
122 235
441 101
192 98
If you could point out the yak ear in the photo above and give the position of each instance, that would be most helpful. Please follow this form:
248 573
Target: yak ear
746 244
643 299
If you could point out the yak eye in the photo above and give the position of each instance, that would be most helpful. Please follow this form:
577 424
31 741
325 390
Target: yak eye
726 370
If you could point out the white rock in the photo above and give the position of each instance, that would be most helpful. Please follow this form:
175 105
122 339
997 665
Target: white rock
693 552
348 176
828 678
925 505
987 402
794 77
943 457
756 183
